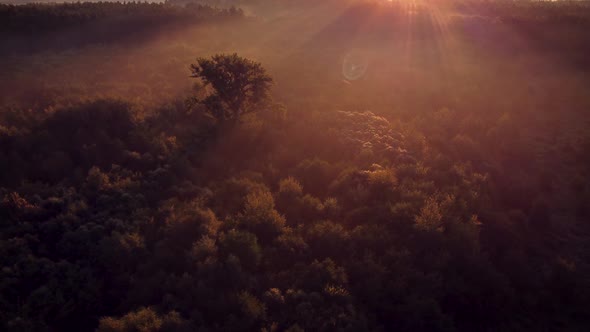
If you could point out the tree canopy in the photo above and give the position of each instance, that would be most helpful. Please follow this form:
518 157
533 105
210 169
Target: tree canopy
447 189
240 86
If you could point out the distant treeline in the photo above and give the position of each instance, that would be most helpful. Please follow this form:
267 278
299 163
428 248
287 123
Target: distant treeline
34 18
34 26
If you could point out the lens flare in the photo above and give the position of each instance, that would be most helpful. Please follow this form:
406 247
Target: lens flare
354 65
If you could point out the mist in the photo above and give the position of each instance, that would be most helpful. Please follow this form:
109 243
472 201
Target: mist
294 166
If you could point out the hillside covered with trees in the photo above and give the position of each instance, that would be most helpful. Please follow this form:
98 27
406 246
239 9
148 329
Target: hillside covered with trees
296 166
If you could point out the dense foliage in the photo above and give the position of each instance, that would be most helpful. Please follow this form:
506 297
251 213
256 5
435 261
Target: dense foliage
443 191
240 86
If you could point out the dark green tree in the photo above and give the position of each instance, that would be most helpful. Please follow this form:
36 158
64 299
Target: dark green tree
239 85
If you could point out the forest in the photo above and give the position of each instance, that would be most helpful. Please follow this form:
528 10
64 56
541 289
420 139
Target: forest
249 165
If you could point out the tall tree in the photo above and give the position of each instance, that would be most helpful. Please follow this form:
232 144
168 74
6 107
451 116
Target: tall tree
240 86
